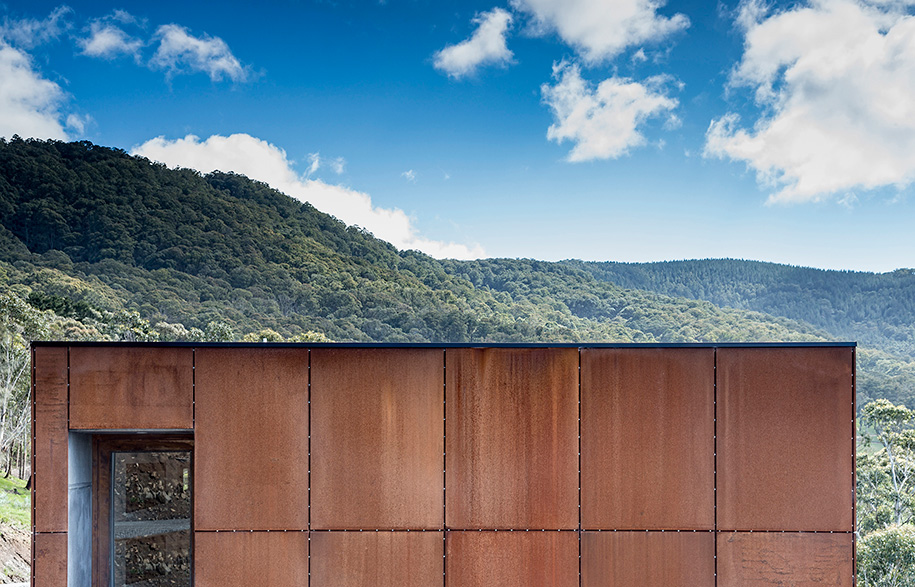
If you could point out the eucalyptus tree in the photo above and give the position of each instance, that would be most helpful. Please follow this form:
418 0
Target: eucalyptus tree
886 496
20 323
886 477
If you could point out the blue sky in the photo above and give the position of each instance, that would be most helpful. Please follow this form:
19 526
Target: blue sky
593 129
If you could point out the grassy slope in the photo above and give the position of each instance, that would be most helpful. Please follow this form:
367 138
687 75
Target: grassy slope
15 502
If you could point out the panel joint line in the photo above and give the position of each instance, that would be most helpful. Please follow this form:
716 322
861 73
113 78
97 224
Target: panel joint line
715 453
309 469
579 468
444 462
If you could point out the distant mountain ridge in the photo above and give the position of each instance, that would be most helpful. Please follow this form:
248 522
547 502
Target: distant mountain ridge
93 232
875 309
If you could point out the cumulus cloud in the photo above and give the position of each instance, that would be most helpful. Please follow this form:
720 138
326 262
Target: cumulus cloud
603 121
181 52
30 105
602 29
177 51
835 79
410 175
29 32
265 162
486 46
108 41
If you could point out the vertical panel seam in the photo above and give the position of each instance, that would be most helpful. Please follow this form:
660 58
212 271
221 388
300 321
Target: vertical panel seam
194 388
34 386
444 461
34 432
854 469
309 470
715 452
68 388
579 469
193 455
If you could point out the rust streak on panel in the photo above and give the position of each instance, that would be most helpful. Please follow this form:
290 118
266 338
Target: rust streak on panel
51 439
131 388
251 439
785 559
647 439
376 438
50 568
376 559
511 559
246 559
512 438
648 559
784 447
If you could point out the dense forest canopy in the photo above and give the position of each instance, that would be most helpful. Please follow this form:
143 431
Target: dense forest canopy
115 246
874 309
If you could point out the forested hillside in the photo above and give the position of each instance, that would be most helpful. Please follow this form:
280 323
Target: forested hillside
874 309
113 246
98 226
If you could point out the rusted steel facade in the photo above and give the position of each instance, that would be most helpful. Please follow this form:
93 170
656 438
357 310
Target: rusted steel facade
515 466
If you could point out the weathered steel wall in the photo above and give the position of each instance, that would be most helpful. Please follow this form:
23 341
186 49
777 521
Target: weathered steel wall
251 439
122 388
511 438
648 439
376 439
696 466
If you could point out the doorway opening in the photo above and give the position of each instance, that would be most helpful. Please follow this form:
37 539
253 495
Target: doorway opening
142 530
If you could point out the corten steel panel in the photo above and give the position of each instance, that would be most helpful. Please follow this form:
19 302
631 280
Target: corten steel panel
512 438
648 559
785 559
785 439
50 565
131 388
376 559
377 438
511 559
251 439
246 559
51 439
648 438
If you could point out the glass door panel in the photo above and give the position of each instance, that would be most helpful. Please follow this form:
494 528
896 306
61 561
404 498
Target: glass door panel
151 519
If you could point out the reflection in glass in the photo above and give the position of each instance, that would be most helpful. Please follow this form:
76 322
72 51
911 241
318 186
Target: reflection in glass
151 519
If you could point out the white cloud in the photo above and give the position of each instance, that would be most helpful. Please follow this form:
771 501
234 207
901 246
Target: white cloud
181 52
602 121
316 162
602 29
265 162
108 41
410 175
77 123
486 46
29 32
124 17
30 105
836 80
